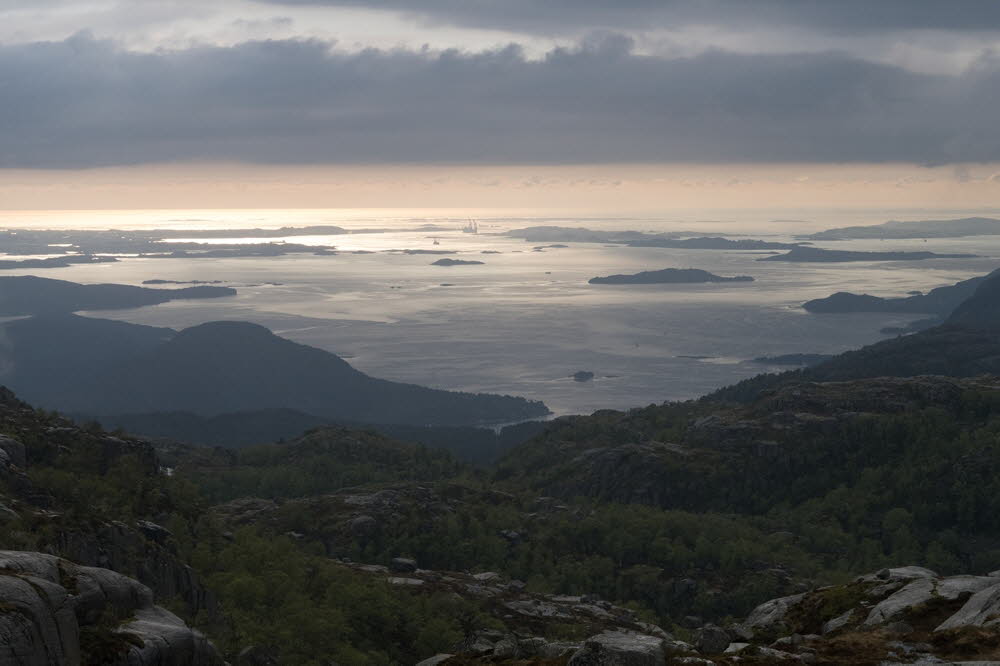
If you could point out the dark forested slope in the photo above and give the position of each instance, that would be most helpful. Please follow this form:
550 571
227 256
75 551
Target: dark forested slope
88 366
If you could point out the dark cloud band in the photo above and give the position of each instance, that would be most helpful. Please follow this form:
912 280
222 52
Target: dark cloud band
556 16
83 102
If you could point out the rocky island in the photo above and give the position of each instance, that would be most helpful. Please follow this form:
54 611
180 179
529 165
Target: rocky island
669 276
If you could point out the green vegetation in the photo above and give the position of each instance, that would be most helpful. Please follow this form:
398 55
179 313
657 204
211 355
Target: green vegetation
703 508
321 461
309 609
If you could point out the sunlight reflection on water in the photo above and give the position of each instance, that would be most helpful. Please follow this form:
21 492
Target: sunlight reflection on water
524 321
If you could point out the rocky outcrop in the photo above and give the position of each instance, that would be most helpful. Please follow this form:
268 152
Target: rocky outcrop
141 549
131 550
53 611
12 452
900 615
981 610
924 591
532 621
618 648
770 616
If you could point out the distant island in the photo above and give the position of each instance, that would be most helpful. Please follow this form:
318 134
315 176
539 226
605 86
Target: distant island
30 295
456 262
159 281
669 276
583 376
683 240
713 243
220 251
819 255
56 248
966 226
54 262
557 234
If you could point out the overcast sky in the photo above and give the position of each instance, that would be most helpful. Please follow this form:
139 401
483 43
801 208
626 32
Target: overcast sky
87 83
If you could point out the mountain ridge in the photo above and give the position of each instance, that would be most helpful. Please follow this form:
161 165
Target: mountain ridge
83 365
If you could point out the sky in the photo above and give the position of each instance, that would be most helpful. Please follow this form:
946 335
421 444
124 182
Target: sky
627 104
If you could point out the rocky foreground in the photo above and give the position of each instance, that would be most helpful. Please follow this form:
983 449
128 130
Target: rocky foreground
53 611
906 615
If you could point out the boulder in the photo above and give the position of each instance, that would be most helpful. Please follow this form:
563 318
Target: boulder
838 622
403 565
506 648
898 574
153 532
38 624
363 525
619 648
711 639
770 615
14 451
49 602
487 576
530 647
922 590
981 610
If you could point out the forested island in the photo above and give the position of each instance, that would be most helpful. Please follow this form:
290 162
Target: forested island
669 276
457 262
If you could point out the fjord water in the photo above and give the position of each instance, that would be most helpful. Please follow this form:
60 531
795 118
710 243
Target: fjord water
524 321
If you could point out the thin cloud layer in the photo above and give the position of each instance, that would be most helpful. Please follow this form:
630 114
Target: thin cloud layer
550 16
85 102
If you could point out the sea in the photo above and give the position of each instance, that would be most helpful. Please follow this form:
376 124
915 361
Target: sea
526 319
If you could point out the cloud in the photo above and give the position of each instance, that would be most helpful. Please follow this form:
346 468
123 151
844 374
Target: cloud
559 16
86 102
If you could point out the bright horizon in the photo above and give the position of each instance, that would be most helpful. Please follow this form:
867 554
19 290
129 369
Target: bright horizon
589 190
